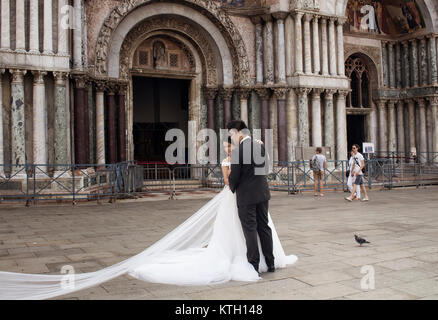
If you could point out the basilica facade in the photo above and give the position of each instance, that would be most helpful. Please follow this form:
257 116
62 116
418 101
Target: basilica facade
101 81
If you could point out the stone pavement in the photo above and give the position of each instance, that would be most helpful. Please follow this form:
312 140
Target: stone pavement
402 226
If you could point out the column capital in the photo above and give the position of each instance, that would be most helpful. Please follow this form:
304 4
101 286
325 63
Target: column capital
433 100
413 41
298 14
316 92
18 75
100 85
423 40
343 93
329 93
410 101
391 103
432 36
303 91
267 17
324 19
332 20
381 102
341 21
80 80
421 102
111 87
38 76
263 93
405 43
226 93
280 92
280 16
60 77
400 103
210 92
122 88
316 18
243 93
256 20
308 17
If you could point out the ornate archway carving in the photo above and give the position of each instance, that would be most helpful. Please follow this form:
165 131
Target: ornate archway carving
209 64
211 9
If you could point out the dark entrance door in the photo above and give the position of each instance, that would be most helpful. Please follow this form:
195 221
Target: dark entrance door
355 130
160 104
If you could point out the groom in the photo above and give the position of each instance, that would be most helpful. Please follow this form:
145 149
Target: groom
252 191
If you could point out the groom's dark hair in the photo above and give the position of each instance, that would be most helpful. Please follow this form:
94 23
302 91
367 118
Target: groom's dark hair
239 125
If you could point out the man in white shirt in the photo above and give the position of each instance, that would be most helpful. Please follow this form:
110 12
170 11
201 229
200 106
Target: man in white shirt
357 174
318 172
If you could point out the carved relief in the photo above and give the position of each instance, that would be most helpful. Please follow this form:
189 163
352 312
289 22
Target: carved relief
211 9
374 53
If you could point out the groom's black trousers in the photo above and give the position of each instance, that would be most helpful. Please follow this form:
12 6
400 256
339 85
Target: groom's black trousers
254 219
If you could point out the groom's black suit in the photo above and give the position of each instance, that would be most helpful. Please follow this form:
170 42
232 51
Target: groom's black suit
253 196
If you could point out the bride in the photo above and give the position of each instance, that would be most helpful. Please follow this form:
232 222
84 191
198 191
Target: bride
208 248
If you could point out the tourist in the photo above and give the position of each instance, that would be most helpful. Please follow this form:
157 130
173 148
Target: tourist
357 174
318 165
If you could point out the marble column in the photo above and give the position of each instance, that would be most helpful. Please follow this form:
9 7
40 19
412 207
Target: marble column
332 46
259 48
62 30
20 28
280 94
385 63
264 94
383 129
423 62
2 154
341 126
423 133
112 133
303 116
61 116
39 134
400 127
307 44
5 26
414 62
316 54
77 36
121 123
411 109
18 134
406 74
280 45
100 122
268 50
340 35
210 95
298 43
48 30
292 123
324 46
392 139
433 59
290 47
80 131
398 65
316 117
329 121
243 94
434 115
226 95
391 68
34 42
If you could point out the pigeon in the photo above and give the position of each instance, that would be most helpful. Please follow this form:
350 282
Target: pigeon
360 240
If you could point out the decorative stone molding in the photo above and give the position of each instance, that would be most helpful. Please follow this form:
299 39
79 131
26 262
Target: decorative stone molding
343 93
280 15
100 85
211 9
317 92
329 93
304 5
193 34
80 80
302 91
433 100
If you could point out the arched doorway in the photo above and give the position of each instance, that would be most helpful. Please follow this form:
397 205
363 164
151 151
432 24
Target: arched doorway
359 100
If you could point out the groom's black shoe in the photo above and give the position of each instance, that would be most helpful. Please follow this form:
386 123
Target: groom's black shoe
271 269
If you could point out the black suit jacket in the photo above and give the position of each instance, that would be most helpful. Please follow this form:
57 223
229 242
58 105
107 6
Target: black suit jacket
250 188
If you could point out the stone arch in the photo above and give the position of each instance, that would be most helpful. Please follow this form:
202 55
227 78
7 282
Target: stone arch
210 67
373 60
207 15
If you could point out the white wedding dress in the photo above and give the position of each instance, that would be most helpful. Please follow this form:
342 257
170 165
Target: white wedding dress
208 248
